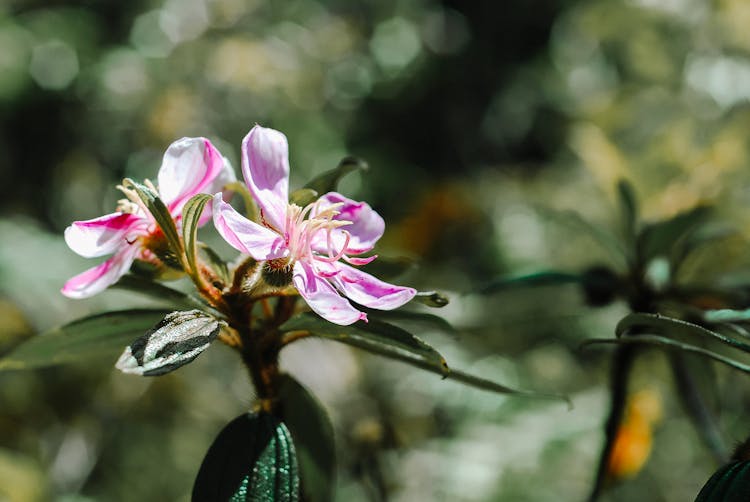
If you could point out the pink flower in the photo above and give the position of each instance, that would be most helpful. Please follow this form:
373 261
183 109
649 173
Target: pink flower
313 247
190 166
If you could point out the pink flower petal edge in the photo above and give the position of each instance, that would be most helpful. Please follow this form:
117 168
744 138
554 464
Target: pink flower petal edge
97 279
366 229
369 291
265 166
100 236
323 299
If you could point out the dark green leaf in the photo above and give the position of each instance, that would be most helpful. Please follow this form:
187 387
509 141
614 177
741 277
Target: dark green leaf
374 336
329 180
661 341
158 291
577 223
218 265
431 299
669 326
101 336
410 317
303 196
175 341
541 278
387 267
657 239
628 208
727 315
325 329
251 208
191 214
313 439
161 214
252 459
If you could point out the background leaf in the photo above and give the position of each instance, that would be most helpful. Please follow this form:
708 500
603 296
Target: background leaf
101 336
252 458
375 336
329 180
658 238
312 432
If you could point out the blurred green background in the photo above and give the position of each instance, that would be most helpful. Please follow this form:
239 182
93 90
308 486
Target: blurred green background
474 118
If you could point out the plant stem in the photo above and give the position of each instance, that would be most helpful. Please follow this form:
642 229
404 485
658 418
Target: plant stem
622 363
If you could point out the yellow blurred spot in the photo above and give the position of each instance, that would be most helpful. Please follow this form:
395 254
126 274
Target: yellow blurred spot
600 156
632 445
174 114
443 207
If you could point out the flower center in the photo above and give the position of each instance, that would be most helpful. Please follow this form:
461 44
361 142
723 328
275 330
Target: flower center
310 234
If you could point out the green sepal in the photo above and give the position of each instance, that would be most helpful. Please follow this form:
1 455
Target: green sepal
303 196
312 432
329 180
191 214
252 459
163 218
100 336
431 299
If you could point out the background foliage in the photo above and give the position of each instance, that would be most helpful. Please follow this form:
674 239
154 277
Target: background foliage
476 120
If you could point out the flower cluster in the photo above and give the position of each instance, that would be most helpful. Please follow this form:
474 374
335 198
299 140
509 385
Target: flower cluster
316 248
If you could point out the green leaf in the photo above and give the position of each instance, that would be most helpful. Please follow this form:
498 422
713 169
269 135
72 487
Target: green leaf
252 459
349 334
375 336
389 267
669 326
191 214
577 223
727 315
101 336
628 208
161 214
251 208
312 433
431 299
408 316
541 278
329 180
157 291
218 265
668 343
658 238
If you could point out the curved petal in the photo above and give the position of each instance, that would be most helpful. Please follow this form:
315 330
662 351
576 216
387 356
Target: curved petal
97 279
370 291
190 166
323 298
265 165
244 235
366 228
225 176
100 236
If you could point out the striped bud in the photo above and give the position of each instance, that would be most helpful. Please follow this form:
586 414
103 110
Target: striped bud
176 340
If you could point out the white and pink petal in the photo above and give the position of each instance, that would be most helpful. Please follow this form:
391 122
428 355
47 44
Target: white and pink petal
104 235
244 235
370 291
190 166
265 166
322 298
97 279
